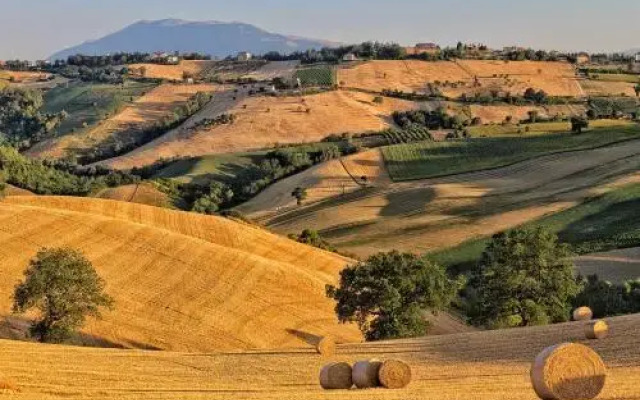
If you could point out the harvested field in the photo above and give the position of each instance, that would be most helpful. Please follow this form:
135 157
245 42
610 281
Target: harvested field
463 77
484 365
616 266
181 281
142 193
143 112
11 190
274 69
539 128
632 78
427 215
173 72
23 77
604 88
498 114
264 122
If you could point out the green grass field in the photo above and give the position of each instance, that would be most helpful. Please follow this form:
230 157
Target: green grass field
322 75
87 104
607 222
539 128
431 159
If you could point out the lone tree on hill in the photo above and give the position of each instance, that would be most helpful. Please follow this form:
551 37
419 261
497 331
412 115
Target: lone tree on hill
578 124
388 294
65 288
525 278
300 194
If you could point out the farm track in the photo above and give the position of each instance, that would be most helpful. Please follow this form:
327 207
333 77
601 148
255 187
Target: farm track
490 365
435 213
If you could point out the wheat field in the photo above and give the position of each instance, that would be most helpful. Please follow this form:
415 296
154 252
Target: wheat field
490 365
141 193
174 72
181 281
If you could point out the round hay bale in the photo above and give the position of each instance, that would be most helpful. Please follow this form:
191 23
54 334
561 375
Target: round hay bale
596 330
394 374
365 374
336 376
582 314
568 371
326 346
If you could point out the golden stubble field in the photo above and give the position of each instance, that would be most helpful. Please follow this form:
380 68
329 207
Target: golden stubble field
490 365
431 214
181 281
145 111
264 122
141 193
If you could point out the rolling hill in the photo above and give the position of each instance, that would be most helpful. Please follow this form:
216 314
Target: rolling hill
218 39
181 281
490 365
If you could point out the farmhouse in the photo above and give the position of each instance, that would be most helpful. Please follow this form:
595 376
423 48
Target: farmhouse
583 58
637 58
244 56
350 57
422 48
165 58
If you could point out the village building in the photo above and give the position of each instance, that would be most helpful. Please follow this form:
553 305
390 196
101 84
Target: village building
349 57
244 56
583 58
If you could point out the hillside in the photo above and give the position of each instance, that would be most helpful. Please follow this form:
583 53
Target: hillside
484 366
218 39
181 281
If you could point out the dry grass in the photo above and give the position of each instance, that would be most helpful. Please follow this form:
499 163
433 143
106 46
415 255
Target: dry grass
145 111
24 77
174 72
11 190
604 88
137 193
181 281
263 122
427 215
498 114
615 266
274 69
485 366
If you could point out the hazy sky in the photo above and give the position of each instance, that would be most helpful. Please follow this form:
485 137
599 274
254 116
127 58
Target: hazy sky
37 28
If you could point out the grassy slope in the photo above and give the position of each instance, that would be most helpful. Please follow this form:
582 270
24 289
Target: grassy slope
541 127
430 159
484 366
599 224
619 78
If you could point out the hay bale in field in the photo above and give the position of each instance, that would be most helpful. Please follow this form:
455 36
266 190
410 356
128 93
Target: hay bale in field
582 314
365 374
596 330
394 374
326 346
568 371
336 376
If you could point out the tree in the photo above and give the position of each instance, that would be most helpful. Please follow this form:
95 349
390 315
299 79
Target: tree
63 285
525 278
578 124
637 89
387 294
300 194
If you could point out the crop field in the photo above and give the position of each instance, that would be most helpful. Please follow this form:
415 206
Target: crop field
143 112
274 69
323 181
434 214
616 266
606 88
203 169
429 159
86 104
498 114
137 193
543 128
465 76
181 281
492 365
321 75
173 72
631 78
265 122
22 76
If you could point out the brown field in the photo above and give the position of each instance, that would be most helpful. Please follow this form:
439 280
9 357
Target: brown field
137 193
604 88
557 79
431 214
274 69
497 114
144 112
266 122
23 76
323 181
482 365
181 281
174 72
615 266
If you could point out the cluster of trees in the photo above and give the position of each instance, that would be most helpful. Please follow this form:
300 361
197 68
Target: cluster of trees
120 58
525 278
117 147
94 74
613 108
366 50
437 119
21 121
313 238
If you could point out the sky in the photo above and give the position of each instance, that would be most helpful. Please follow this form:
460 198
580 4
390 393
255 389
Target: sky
34 29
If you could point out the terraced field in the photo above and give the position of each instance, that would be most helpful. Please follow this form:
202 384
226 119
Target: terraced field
608 88
181 281
143 112
484 365
264 122
431 214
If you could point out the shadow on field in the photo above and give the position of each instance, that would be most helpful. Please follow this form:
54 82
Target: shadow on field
407 202
309 338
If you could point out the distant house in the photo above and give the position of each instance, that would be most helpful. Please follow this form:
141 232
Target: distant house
244 56
583 58
165 58
637 58
422 48
349 57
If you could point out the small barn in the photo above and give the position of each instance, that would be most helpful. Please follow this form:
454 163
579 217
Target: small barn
349 57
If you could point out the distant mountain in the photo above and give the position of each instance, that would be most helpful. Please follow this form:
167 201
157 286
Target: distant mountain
210 37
